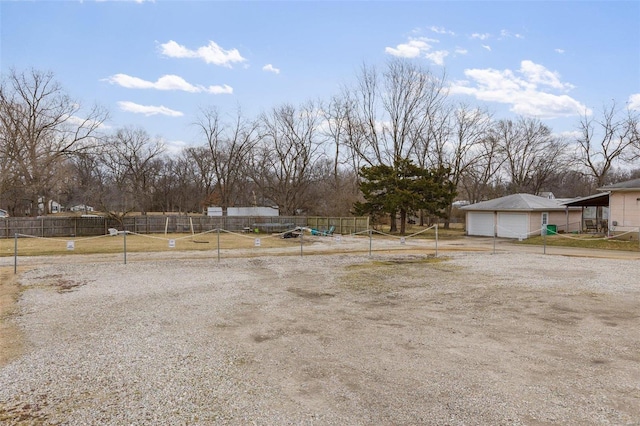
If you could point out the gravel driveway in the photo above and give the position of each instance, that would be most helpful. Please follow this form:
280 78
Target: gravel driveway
396 338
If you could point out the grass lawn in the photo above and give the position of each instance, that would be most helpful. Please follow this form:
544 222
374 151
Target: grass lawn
138 243
585 241
455 231
28 246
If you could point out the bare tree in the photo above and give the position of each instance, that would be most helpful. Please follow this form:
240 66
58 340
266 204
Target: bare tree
339 189
132 160
199 163
457 142
392 113
229 146
284 163
87 178
482 177
605 140
40 126
532 153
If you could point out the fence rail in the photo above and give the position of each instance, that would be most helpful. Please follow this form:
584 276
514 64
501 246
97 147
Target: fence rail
155 224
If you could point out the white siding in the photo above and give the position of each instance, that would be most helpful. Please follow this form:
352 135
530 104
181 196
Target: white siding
480 223
513 225
214 211
252 211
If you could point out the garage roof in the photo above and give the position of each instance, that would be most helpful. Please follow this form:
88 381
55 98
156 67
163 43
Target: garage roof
517 202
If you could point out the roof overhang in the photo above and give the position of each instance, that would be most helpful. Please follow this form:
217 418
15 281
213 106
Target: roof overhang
595 200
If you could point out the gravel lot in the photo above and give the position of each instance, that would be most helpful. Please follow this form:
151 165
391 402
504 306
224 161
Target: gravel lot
396 338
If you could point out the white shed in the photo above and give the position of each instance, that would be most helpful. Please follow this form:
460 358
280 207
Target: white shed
520 216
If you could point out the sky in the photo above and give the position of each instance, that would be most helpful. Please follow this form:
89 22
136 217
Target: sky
156 64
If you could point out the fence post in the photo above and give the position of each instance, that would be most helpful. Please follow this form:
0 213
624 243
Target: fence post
301 240
544 239
436 240
15 254
370 235
218 244
124 238
495 232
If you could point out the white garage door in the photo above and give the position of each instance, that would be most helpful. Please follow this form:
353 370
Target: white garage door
480 223
513 225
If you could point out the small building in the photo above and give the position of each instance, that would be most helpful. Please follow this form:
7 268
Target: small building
81 208
244 211
520 216
214 211
253 211
52 206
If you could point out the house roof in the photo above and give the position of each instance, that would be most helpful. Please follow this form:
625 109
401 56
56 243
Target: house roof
601 199
629 185
517 202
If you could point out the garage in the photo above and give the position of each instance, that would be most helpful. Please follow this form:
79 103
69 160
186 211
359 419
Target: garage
513 225
480 223
520 216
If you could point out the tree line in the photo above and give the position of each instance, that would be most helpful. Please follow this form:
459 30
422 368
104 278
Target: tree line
394 142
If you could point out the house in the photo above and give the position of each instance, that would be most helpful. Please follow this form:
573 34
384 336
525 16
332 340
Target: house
52 206
624 206
520 216
615 210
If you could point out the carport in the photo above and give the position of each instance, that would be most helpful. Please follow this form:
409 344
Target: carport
599 201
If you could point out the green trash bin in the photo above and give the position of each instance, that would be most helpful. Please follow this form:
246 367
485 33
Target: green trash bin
552 229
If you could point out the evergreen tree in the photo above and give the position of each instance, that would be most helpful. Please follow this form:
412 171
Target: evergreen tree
404 189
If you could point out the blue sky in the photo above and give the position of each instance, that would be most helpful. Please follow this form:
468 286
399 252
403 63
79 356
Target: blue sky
154 64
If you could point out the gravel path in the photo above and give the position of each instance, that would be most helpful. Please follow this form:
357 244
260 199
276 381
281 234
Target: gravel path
395 338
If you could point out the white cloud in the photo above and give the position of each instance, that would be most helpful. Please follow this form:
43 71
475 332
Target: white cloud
526 90
437 57
148 110
211 53
507 34
461 51
441 30
485 46
634 101
481 36
412 49
79 121
560 51
271 68
416 48
166 82
538 74
220 90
